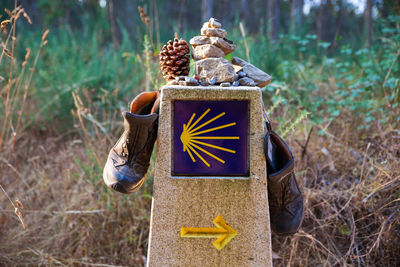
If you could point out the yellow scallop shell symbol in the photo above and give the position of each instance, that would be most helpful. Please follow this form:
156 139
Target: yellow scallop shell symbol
190 137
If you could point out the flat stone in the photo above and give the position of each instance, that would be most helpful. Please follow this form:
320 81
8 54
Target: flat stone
207 51
191 81
207 68
225 84
199 40
246 81
213 23
241 74
224 44
219 32
260 77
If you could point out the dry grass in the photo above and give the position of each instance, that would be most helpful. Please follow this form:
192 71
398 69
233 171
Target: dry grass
351 190
71 217
54 208
352 199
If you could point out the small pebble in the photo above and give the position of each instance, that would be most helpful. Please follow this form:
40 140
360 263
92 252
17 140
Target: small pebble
191 81
213 23
235 83
180 78
213 80
225 84
241 74
172 82
204 83
246 81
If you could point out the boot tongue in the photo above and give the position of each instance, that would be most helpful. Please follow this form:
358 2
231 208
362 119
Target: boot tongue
273 155
280 160
131 119
137 129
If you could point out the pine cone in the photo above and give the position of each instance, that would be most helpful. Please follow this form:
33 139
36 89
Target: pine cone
174 60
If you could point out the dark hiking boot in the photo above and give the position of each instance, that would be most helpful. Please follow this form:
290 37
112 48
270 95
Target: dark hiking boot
128 161
284 196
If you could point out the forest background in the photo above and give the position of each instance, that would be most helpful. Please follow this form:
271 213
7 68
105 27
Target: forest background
68 68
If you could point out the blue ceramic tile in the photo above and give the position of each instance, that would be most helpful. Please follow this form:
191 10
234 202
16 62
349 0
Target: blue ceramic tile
210 138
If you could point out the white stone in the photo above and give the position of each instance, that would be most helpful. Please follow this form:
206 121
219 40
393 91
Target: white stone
207 51
173 82
219 42
219 68
213 23
219 32
237 68
225 84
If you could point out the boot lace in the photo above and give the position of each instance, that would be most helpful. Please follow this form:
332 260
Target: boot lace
284 198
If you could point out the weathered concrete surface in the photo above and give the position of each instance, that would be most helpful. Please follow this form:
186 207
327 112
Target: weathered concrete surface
196 202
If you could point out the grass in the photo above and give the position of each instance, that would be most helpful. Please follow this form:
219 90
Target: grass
351 190
60 115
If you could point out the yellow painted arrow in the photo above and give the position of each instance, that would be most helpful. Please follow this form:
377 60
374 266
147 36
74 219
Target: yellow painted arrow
224 233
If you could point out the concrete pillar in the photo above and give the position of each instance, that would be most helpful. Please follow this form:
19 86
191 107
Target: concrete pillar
210 209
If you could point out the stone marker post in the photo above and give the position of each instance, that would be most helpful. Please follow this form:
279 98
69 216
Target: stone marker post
210 203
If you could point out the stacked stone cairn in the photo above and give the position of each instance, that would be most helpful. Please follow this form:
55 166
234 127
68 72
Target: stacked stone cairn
209 50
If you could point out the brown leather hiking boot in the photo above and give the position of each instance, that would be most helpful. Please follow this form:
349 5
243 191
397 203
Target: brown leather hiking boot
128 161
284 196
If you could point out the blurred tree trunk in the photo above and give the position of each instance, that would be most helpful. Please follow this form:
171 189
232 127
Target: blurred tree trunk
113 23
368 23
273 19
296 16
244 11
156 22
31 7
206 9
324 21
181 25
319 22
338 23
122 14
